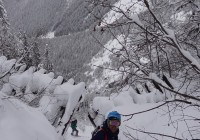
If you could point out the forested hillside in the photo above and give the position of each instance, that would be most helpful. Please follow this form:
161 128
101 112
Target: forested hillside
64 52
38 17
73 25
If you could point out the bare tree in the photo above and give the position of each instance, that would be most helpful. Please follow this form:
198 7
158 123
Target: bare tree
158 45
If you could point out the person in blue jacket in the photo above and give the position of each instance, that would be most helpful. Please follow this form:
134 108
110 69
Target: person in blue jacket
110 128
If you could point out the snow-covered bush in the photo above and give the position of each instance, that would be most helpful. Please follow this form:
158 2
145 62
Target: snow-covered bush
21 122
43 91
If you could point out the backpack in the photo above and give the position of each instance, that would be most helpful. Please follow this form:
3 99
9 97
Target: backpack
73 124
97 129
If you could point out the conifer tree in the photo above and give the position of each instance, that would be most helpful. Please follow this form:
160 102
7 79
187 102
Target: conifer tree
8 41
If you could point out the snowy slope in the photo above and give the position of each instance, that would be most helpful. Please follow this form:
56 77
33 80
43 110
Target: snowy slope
24 89
158 121
21 122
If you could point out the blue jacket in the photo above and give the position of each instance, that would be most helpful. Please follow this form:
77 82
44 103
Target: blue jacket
102 134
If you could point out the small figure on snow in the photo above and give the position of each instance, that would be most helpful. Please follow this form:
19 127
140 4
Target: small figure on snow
110 128
74 126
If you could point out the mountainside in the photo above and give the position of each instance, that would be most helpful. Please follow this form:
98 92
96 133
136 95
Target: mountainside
72 25
34 16
78 37
69 53
38 17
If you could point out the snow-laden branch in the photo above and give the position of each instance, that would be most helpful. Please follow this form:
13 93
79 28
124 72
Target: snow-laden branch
153 133
153 76
170 35
75 94
166 102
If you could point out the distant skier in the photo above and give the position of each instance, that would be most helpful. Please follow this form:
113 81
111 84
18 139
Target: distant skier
74 126
110 129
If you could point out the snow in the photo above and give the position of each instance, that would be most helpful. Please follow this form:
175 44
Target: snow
49 35
101 59
165 120
171 35
42 82
25 122
110 45
144 60
191 58
83 135
181 16
132 7
121 99
19 80
5 65
157 120
157 79
74 92
102 105
136 19
21 122
16 115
